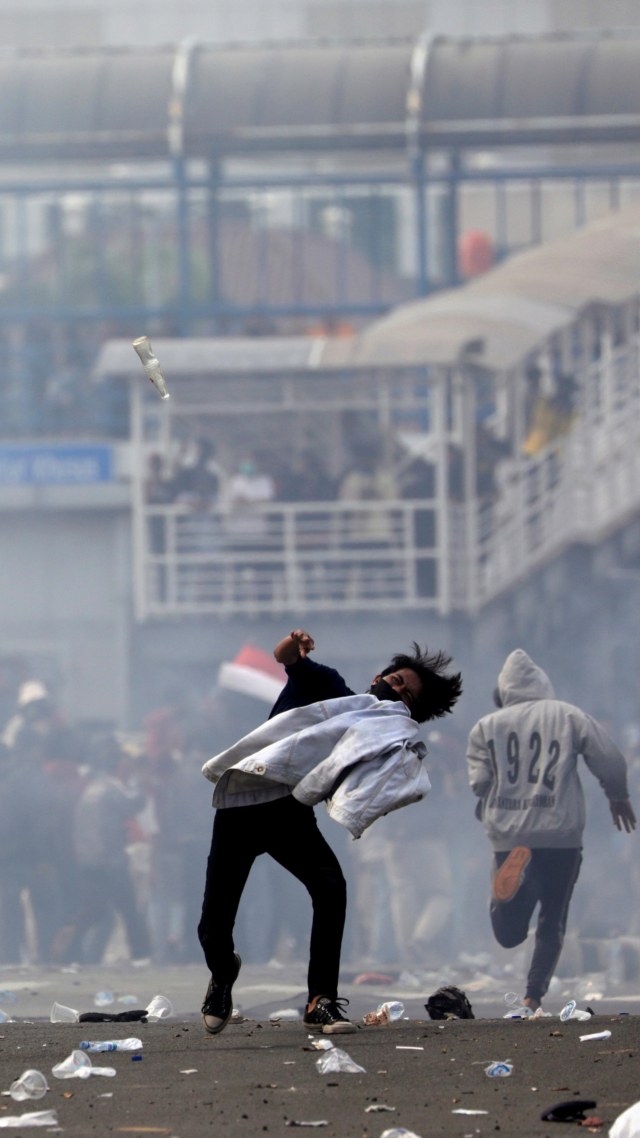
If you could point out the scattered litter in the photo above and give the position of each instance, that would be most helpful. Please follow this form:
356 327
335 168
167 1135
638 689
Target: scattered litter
385 1013
285 1014
596 1035
449 1003
570 1011
321 1122
402 1047
159 1008
338 1060
31 1084
571 1111
378 1106
130 1044
61 1014
32 1118
319 1044
463 1110
4 1018
399 1132
77 1065
499 1070
189 1071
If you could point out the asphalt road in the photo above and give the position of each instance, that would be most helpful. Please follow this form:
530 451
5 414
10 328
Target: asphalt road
259 1077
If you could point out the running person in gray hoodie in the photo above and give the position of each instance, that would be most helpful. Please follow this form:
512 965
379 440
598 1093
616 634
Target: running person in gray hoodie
523 767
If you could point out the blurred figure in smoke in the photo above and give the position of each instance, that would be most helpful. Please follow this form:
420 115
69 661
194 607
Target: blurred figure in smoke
35 709
30 898
523 766
105 886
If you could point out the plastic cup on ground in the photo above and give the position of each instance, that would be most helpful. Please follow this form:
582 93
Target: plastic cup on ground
159 1008
61 1014
77 1065
31 1084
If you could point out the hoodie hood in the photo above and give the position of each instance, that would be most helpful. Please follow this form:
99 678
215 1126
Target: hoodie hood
520 679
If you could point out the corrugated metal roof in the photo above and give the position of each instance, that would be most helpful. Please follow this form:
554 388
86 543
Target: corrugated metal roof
129 103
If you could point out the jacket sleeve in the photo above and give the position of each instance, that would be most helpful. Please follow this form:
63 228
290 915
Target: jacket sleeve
603 758
480 767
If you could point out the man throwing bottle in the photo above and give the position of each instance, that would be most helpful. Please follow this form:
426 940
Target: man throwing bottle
285 827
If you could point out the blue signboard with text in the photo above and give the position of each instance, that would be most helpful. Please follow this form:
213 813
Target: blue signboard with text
49 465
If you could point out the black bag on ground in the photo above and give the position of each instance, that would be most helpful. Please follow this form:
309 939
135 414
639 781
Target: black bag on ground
449 1003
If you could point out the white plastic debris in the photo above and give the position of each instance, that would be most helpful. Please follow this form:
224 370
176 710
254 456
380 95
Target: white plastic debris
61 1014
499 1069
285 1015
570 1011
31 1118
159 1008
386 1013
77 1065
399 1132
151 365
596 1035
338 1060
31 1084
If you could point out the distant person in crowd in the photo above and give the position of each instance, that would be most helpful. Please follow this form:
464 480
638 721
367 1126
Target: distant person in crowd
248 529
197 481
369 481
419 483
523 766
28 845
552 414
248 489
105 888
306 479
269 819
36 709
198 488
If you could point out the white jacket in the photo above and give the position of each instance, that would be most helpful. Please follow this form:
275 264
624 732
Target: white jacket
358 753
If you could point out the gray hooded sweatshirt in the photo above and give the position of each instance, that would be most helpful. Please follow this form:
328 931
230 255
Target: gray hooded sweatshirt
523 762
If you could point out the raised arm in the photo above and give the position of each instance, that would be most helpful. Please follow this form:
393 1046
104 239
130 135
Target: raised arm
296 645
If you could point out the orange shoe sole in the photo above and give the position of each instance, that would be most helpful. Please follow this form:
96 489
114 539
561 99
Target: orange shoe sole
508 877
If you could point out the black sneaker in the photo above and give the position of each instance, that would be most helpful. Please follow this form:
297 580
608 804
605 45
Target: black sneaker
325 1015
217 1008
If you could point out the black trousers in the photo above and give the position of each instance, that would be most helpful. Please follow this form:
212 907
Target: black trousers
288 832
549 880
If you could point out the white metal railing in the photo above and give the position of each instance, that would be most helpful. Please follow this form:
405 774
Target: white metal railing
434 554
578 489
281 556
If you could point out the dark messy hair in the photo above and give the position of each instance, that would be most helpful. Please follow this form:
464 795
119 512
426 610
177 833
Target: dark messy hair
440 689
